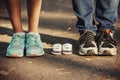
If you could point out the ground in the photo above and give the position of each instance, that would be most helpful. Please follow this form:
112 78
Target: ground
57 25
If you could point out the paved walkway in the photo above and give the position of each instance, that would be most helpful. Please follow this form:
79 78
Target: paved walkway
56 26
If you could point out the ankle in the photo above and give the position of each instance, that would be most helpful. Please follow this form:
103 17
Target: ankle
33 33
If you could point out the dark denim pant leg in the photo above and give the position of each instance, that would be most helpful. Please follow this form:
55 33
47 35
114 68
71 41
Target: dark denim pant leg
84 10
107 13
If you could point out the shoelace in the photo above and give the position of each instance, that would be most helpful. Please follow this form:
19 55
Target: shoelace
32 40
17 41
106 38
87 37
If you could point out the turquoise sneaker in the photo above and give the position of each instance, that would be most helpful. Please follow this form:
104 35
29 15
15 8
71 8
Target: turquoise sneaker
16 46
33 45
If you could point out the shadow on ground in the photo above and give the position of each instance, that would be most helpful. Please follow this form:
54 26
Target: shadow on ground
77 66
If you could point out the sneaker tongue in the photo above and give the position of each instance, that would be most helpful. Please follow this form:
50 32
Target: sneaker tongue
107 31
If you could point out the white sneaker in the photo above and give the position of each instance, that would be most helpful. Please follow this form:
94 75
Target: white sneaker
57 49
67 48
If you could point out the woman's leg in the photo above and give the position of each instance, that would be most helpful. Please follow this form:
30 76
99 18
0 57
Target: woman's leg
34 7
14 10
17 44
33 42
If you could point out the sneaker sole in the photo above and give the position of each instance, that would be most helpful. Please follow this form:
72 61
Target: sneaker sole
88 53
14 56
108 52
35 55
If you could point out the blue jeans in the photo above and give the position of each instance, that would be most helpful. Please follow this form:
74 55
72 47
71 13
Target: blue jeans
104 11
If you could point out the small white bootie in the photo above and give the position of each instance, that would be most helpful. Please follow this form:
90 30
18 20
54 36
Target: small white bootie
67 48
57 49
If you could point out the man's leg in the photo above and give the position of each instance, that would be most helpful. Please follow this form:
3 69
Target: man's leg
16 46
106 15
33 42
84 10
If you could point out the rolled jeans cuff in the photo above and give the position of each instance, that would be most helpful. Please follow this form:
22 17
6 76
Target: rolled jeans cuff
89 28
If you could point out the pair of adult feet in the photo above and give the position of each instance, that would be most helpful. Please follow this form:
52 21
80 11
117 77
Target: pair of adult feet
100 44
30 43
